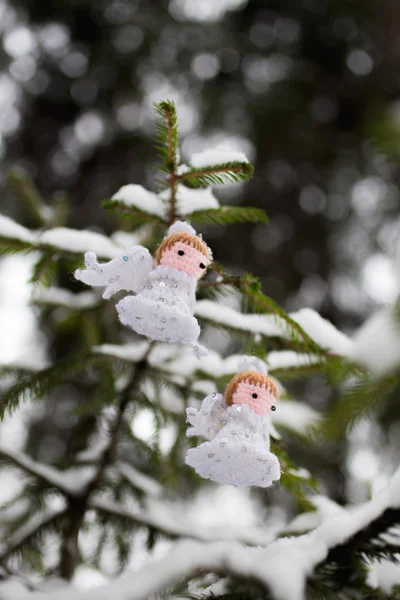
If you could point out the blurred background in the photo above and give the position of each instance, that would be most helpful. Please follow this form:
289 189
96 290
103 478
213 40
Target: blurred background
309 90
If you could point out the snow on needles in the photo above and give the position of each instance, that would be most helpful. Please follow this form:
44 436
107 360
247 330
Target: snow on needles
74 240
377 343
282 567
11 230
137 196
61 238
216 157
190 200
319 329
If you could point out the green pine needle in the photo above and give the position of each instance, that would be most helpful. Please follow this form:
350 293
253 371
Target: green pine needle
133 214
44 270
37 385
358 402
167 134
231 172
228 215
9 246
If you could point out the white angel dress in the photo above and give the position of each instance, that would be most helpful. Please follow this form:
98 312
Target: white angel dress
163 309
237 450
163 306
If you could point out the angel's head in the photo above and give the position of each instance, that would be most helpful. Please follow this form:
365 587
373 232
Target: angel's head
185 252
254 389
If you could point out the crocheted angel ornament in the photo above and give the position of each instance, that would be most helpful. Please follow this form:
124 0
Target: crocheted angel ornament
164 290
236 426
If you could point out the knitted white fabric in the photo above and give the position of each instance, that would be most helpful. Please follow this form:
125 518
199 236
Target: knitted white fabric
239 453
128 272
163 310
207 421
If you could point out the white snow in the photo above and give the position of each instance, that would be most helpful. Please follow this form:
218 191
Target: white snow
189 200
208 158
377 343
140 481
288 359
384 575
174 520
295 415
80 241
283 566
56 296
70 481
224 315
126 239
320 330
130 352
137 196
28 528
64 238
11 230
324 509
178 360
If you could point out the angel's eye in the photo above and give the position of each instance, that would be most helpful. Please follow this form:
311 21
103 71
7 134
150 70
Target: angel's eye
181 252
254 395
273 407
202 266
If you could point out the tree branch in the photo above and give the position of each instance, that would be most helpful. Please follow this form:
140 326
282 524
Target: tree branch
69 482
78 506
29 529
209 171
171 150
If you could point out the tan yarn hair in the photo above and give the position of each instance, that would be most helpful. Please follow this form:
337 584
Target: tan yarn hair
185 238
252 377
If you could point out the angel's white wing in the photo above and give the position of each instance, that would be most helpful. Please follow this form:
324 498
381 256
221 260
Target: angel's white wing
128 272
207 421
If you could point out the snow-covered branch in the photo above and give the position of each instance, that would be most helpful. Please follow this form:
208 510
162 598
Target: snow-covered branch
173 522
283 567
269 325
70 482
58 239
30 528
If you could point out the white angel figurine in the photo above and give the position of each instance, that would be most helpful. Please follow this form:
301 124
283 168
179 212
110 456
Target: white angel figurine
237 429
164 290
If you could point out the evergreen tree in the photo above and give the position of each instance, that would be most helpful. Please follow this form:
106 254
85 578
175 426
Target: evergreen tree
111 486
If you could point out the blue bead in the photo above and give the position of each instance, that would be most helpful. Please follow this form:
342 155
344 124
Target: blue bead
125 257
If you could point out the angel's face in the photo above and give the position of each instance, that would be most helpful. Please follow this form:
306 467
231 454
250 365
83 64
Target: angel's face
184 257
260 400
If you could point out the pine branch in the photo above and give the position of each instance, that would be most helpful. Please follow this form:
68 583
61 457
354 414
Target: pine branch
132 213
228 215
167 145
37 385
35 525
24 187
167 133
10 246
232 172
250 287
44 270
173 526
268 305
358 402
368 542
69 482
77 507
